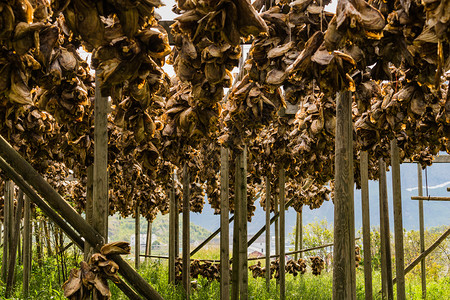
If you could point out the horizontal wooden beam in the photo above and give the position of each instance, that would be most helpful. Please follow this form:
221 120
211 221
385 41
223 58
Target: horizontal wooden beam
416 261
430 198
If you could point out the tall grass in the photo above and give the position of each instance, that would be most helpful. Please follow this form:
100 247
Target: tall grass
46 283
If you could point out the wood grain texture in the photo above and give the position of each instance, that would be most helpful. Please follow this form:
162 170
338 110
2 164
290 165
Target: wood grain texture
243 264
423 273
224 225
186 277
398 221
100 181
268 193
364 168
344 280
385 236
282 197
89 207
173 210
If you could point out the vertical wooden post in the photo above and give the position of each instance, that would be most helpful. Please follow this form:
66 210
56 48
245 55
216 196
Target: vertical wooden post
364 168
177 216
186 233
137 237
282 182
100 181
13 249
344 281
89 208
148 242
243 269
422 232
26 247
386 263
277 228
268 233
173 210
398 222
7 222
224 225
236 274
300 234
48 238
297 229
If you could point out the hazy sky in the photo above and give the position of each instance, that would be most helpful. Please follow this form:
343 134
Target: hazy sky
167 14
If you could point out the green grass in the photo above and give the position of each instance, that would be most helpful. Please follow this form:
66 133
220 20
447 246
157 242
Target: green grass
46 283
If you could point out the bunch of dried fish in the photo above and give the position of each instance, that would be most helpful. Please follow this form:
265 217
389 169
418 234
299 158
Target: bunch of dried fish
317 265
295 267
207 37
206 269
91 278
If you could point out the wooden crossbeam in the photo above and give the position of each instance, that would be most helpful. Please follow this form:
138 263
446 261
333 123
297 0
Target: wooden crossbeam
430 198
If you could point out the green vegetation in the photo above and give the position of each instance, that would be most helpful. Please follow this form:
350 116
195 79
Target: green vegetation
121 229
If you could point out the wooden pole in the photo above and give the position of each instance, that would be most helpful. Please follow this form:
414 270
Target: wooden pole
137 237
27 250
224 225
89 208
13 249
398 222
282 183
430 198
297 234
386 263
186 232
364 168
148 241
344 280
100 181
177 216
300 214
28 179
243 265
422 233
277 226
424 254
236 274
173 210
268 193
7 222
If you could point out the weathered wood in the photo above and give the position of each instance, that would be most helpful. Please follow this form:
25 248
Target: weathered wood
186 233
398 221
243 269
47 238
27 250
268 193
425 253
89 207
224 225
177 217
344 277
23 172
235 280
430 198
100 181
13 249
297 233
173 210
364 169
137 237
423 273
386 262
148 240
7 223
282 197
277 226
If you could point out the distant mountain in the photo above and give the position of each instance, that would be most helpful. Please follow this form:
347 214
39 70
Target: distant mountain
435 213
